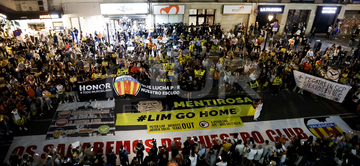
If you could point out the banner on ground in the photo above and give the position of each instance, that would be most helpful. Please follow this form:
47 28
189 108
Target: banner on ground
321 87
259 131
125 85
176 114
83 119
333 74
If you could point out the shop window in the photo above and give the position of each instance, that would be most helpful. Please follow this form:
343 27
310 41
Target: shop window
297 16
199 16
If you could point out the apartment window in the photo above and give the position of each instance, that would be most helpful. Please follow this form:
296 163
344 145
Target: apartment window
199 16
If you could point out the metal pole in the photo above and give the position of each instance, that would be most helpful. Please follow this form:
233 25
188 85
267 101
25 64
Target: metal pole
107 26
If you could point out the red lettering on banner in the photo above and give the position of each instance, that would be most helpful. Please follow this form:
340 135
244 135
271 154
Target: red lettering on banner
291 131
257 137
98 146
46 149
148 143
271 134
61 149
167 142
244 136
126 146
29 150
109 145
207 141
134 145
224 137
300 132
287 133
19 150
280 134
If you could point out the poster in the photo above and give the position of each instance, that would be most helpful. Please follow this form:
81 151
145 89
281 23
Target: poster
260 131
333 74
321 87
83 120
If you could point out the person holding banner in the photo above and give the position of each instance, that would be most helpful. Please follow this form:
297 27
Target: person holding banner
258 108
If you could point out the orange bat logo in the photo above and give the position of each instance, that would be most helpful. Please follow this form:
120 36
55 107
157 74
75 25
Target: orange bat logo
242 7
167 9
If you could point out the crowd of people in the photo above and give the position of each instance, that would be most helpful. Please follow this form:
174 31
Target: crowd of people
39 71
342 147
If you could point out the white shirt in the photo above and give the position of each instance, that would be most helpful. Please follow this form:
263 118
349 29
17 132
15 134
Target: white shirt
240 148
221 164
193 160
252 154
252 76
60 88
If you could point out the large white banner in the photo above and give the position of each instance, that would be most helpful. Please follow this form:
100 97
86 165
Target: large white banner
260 131
237 9
169 9
321 87
123 8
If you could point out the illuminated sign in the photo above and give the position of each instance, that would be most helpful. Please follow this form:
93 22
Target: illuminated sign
48 16
271 9
329 10
123 8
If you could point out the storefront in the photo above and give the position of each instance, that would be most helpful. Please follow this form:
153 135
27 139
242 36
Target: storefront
269 14
235 14
43 23
350 18
325 17
125 15
169 13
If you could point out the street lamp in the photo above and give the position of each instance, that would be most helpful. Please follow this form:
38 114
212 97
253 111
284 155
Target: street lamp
107 20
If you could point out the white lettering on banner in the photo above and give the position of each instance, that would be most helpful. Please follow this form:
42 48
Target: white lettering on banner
270 9
321 87
260 131
160 90
329 10
94 87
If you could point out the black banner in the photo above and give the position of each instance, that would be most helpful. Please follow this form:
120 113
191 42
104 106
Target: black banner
126 85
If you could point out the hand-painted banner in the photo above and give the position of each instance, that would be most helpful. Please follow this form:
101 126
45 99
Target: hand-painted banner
83 119
259 131
321 87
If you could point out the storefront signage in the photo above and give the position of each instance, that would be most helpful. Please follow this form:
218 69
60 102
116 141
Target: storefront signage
271 9
237 9
329 10
58 25
169 9
124 8
48 16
